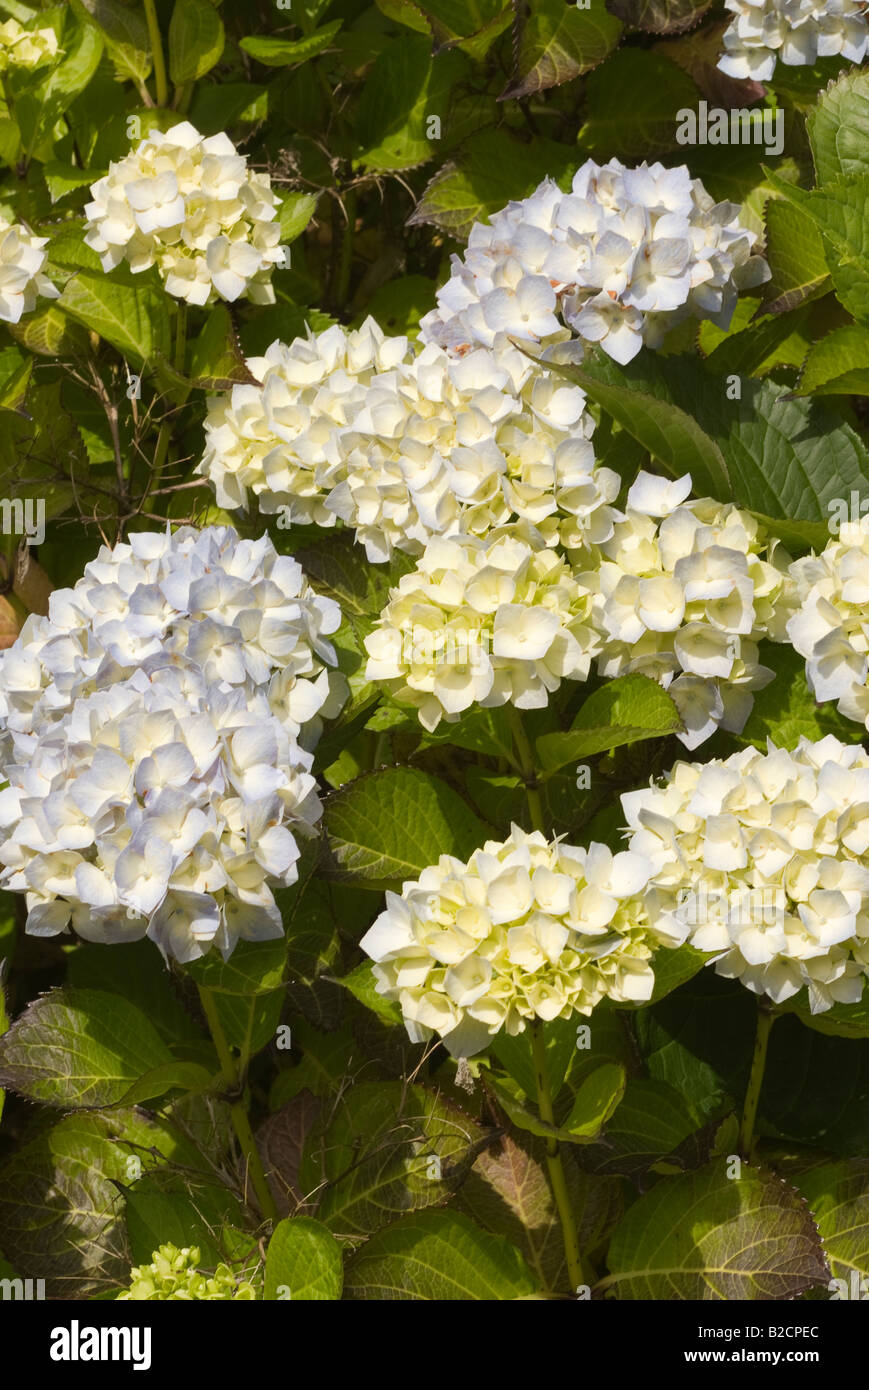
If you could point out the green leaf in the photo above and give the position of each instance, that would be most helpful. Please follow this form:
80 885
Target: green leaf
383 1148
136 971
196 40
839 128
838 1194
646 124
294 214
596 1101
79 1048
125 32
558 43
166 1208
170 1076
492 168
280 53
13 391
49 332
255 967
841 1021
624 710
216 360
386 827
839 364
363 986
840 211
405 87
303 1262
437 1255
652 1121
62 178
816 1084
38 108
594 1104
659 16
795 251
671 434
472 25
672 969
708 1236
699 1041
134 320
785 458
60 1198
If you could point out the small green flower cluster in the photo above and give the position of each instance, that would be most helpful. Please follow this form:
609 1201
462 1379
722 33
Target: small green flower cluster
174 1274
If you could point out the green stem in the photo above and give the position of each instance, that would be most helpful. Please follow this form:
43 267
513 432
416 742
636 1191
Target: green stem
765 1019
557 1176
231 1074
528 772
157 54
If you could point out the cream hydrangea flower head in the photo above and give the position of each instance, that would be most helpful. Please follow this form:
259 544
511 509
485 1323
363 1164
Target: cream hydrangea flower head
829 625
164 806
620 259
173 1274
794 32
22 263
25 48
189 205
483 620
148 733
527 929
686 589
404 445
764 857
240 613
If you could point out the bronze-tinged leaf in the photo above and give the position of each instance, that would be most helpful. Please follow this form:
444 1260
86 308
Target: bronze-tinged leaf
281 1140
659 16
508 1192
708 1235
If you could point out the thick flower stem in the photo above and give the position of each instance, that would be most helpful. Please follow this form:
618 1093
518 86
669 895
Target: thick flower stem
557 1176
765 1019
238 1114
157 54
528 772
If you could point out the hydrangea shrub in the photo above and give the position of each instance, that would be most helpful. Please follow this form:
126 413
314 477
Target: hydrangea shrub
434 655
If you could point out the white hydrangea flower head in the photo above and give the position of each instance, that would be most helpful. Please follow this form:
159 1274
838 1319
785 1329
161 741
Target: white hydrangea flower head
403 445
164 806
527 929
620 259
22 263
25 48
794 32
242 614
829 625
190 205
483 621
685 591
763 856
148 738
